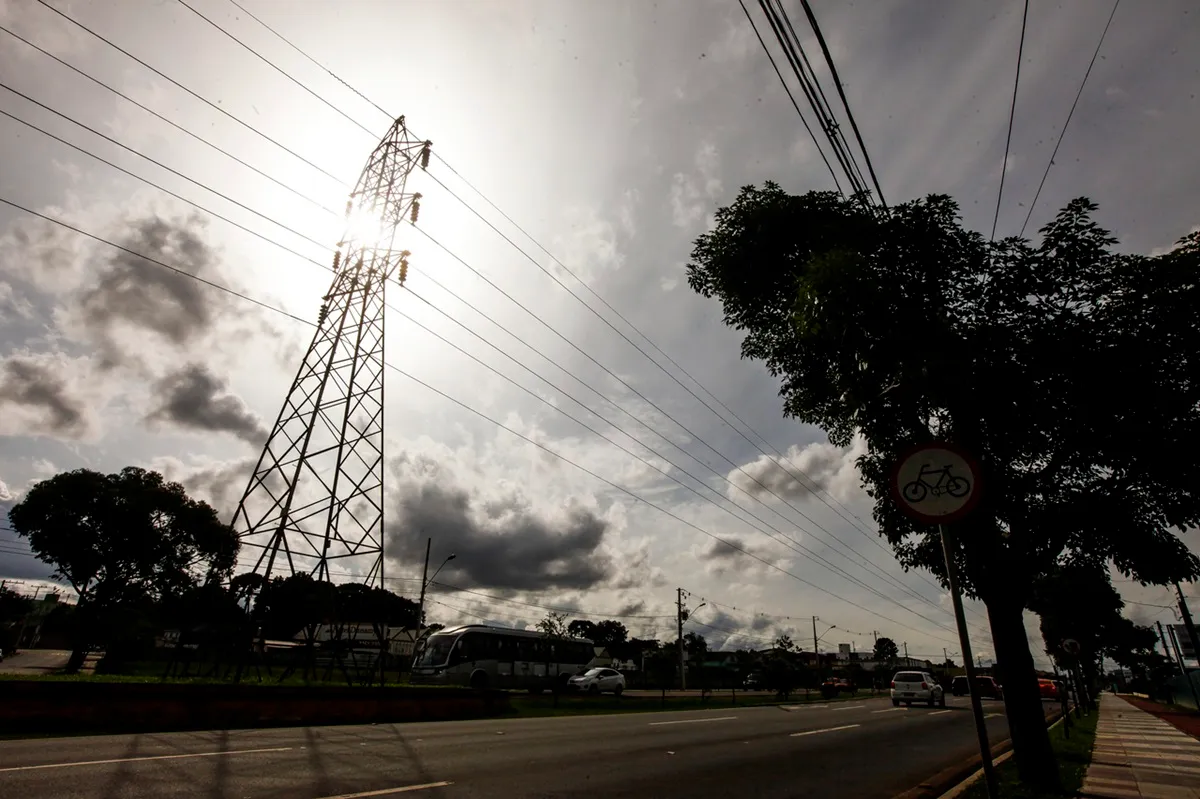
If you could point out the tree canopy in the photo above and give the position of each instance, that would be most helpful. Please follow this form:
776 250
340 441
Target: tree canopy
123 536
886 650
1066 368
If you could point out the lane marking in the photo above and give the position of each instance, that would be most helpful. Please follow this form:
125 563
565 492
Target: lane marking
940 712
801 707
691 721
827 729
387 791
150 757
993 715
889 710
852 707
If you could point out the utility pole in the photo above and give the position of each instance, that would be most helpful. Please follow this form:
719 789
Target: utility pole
679 632
906 654
816 651
1167 647
945 657
424 574
875 635
1187 622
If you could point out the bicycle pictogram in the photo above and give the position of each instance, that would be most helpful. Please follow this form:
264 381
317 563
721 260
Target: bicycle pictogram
935 482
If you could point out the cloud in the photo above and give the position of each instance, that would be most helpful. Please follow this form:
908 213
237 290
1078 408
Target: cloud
38 398
196 399
133 296
819 467
692 196
500 539
219 483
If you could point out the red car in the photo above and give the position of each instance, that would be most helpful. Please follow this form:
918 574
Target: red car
1048 689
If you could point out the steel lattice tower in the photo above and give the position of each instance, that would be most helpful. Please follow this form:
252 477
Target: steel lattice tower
316 495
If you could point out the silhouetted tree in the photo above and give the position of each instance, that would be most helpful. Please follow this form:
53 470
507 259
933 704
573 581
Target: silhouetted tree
123 541
898 326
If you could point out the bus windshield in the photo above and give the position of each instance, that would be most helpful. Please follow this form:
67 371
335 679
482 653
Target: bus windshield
436 650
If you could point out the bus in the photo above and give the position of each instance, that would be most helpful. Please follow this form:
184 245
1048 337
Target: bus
495 657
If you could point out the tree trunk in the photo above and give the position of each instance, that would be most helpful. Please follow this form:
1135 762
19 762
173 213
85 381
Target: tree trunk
1022 698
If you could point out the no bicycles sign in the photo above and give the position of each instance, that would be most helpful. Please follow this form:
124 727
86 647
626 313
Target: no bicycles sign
935 483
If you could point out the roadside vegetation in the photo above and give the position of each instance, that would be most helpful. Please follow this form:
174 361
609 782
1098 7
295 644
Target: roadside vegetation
1072 749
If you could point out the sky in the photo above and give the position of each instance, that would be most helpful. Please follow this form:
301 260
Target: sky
610 133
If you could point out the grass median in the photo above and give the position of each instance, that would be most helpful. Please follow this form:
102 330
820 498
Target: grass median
1074 753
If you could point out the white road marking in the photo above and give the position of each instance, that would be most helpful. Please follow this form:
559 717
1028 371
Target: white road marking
691 721
138 759
940 712
992 715
852 707
889 710
387 791
801 707
827 729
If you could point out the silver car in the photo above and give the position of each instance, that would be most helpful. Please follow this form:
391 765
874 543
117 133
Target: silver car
917 686
598 680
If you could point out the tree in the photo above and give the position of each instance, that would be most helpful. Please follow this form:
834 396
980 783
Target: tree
1076 600
784 642
554 626
898 327
582 628
695 645
122 540
886 651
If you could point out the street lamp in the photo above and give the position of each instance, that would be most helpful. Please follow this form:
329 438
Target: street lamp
426 581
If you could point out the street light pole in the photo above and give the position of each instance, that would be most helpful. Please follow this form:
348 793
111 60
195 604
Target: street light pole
424 582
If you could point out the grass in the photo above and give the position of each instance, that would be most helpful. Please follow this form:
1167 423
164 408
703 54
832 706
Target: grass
1073 754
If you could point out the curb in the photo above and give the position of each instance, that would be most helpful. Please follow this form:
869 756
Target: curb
962 774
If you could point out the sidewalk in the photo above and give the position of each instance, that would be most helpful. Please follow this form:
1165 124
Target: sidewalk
1139 755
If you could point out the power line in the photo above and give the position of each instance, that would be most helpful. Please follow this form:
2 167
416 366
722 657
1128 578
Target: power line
204 100
157 163
1070 114
273 66
589 289
1012 113
793 50
161 188
622 489
175 125
643 460
837 81
795 105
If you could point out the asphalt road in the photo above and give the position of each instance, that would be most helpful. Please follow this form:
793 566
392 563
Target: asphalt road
34 661
863 749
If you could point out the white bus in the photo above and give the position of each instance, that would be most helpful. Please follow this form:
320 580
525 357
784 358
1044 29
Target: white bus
495 657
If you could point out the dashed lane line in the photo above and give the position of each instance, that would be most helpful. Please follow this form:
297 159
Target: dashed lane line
691 721
140 759
388 791
827 729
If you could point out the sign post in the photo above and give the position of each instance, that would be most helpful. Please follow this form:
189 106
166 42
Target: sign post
938 483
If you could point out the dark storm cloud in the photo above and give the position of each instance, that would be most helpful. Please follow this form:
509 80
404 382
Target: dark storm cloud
49 405
133 292
499 543
196 399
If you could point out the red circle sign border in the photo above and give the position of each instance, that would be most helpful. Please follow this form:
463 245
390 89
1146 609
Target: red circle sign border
908 510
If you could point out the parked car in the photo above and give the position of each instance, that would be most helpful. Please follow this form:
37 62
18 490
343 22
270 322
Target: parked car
987 687
595 681
917 686
756 681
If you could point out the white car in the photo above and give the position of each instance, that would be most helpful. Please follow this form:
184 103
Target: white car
917 686
595 681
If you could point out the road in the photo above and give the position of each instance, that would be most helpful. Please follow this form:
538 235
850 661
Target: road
863 749
35 661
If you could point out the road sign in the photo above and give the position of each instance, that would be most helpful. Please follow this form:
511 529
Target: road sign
935 483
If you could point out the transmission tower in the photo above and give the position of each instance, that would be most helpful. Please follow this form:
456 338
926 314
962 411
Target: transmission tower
316 495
